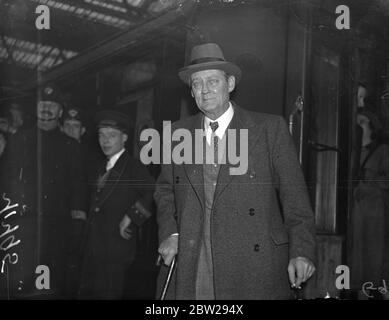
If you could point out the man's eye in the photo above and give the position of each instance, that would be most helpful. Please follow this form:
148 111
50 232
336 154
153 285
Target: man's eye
196 85
213 82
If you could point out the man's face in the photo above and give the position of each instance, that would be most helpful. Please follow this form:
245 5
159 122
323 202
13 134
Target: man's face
3 143
361 95
111 140
211 90
17 117
73 128
48 111
4 125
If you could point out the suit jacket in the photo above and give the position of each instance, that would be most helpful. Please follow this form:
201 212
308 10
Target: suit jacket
107 254
252 236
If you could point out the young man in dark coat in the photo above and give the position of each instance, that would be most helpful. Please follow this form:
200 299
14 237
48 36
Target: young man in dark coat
120 204
231 237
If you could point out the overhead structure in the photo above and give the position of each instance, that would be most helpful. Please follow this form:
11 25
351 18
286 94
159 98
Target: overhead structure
80 30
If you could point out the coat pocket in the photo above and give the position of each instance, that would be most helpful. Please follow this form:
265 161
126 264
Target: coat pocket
279 236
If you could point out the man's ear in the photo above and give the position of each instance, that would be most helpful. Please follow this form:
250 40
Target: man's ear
60 113
231 83
191 93
125 137
83 130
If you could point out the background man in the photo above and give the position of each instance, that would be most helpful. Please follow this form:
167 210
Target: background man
42 171
120 204
3 143
4 128
73 124
5 120
233 239
17 114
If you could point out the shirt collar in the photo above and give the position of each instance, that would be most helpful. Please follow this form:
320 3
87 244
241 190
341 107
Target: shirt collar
112 161
223 121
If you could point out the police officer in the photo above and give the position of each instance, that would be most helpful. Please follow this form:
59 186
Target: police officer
73 123
42 172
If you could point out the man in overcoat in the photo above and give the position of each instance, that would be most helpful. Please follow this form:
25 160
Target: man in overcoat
121 203
249 235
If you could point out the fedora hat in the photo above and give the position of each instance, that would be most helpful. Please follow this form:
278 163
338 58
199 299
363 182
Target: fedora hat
208 56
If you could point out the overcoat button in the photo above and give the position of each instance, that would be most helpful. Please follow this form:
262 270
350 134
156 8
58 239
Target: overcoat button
97 209
251 211
252 174
256 247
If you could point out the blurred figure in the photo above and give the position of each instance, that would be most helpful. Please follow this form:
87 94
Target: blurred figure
361 95
370 249
120 204
3 143
5 120
74 126
17 115
4 131
42 172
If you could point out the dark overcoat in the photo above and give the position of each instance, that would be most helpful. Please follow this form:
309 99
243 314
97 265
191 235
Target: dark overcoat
42 171
369 257
260 219
107 255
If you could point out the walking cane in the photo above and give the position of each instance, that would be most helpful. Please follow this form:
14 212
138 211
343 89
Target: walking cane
168 279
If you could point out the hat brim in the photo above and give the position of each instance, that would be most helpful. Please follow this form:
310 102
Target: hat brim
228 67
122 121
57 101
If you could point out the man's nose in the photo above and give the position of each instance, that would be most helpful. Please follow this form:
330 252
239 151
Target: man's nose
205 87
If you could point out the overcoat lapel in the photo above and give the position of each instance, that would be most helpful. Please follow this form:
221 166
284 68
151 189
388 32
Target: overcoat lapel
194 172
240 121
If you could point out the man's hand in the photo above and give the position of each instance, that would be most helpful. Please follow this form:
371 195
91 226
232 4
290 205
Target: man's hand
300 269
124 225
168 249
